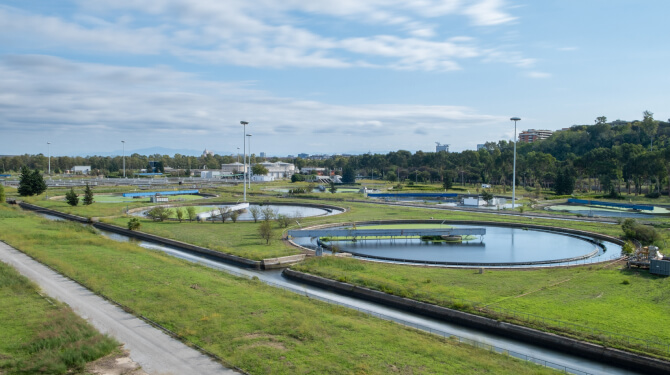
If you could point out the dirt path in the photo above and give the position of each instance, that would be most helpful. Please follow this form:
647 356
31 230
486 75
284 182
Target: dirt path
155 351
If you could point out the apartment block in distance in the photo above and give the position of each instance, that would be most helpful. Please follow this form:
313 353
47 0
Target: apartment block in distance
532 135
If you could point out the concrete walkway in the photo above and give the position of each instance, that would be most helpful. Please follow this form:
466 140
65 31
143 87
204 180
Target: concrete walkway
154 350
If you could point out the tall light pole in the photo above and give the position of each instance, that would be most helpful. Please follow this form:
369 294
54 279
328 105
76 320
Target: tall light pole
49 153
244 157
249 137
124 158
515 119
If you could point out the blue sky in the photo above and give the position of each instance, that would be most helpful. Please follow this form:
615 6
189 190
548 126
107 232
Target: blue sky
347 76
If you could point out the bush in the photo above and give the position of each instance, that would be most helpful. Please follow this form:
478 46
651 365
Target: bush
71 197
635 231
283 220
653 195
265 231
134 224
297 178
2 194
255 212
180 213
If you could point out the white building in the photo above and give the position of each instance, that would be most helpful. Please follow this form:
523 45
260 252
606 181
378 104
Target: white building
207 153
259 178
234 168
279 169
81 169
211 174
313 170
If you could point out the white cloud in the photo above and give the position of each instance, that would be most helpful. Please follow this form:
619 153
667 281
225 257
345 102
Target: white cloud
160 106
268 33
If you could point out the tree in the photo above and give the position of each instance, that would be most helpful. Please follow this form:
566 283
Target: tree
259 169
448 180
180 213
190 211
88 195
348 175
31 183
71 197
255 213
234 215
159 213
564 183
265 231
134 224
224 211
601 120
649 126
487 196
333 188
297 177
391 177
2 194
268 213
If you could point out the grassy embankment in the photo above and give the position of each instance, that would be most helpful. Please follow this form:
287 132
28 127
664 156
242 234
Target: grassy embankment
250 325
39 335
602 297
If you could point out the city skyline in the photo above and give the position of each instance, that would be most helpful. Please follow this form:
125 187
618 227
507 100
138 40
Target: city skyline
320 78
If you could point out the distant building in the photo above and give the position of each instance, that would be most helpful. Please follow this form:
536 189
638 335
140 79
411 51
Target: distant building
303 156
440 147
207 153
313 170
233 168
480 146
532 135
81 169
263 155
279 169
211 174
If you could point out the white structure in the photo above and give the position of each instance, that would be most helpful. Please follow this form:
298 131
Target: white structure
279 169
211 174
207 153
260 178
440 147
81 169
234 168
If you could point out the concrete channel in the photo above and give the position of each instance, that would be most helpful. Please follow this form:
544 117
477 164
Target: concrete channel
560 360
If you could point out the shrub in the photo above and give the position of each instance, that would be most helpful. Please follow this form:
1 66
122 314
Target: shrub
134 224
234 215
283 220
625 282
180 213
71 197
268 213
2 194
265 231
645 234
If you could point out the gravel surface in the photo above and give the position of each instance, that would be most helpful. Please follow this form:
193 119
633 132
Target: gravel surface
154 350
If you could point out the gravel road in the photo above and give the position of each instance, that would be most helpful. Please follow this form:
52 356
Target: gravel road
154 350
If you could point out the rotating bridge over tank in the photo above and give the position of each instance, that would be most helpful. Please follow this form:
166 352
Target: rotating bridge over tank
386 233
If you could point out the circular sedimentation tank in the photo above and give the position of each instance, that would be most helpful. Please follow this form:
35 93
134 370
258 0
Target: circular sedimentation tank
293 210
503 245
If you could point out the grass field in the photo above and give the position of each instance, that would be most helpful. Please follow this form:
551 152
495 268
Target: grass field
40 335
604 297
250 325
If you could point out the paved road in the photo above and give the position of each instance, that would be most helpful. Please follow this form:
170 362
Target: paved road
155 351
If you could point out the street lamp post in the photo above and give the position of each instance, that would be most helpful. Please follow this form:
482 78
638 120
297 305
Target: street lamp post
49 153
244 158
515 119
249 137
124 158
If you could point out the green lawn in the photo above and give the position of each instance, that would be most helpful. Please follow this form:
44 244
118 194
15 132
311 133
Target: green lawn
40 335
603 297
250 325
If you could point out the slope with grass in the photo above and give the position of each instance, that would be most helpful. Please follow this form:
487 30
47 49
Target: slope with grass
40 335
604 297
248 324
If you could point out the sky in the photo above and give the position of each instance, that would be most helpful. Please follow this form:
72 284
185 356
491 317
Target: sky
320 77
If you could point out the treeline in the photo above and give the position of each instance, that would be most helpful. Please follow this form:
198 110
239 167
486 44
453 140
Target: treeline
610 157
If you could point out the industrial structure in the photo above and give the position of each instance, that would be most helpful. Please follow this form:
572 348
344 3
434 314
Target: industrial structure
440 147
532 135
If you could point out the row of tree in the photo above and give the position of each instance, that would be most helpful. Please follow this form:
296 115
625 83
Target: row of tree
605 156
